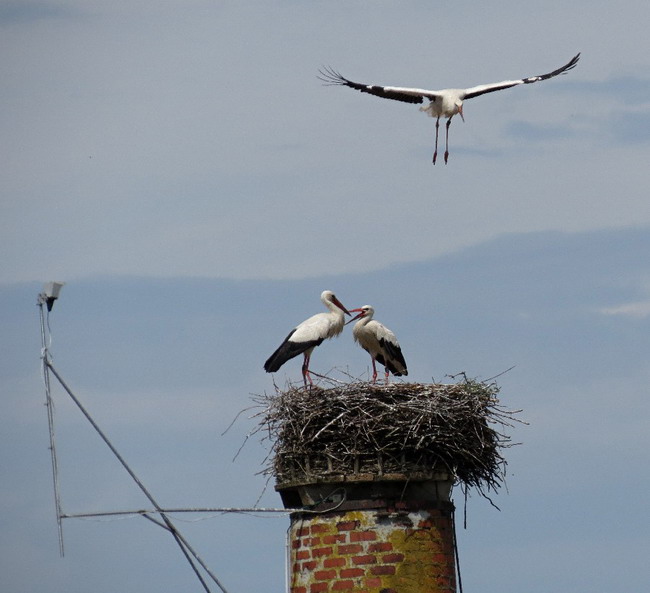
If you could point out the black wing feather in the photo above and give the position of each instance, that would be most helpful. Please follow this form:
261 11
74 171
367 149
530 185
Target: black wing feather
510 83
394 353
286 351
563 70
332 77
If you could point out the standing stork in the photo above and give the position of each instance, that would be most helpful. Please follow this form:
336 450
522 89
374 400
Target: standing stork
309 334
378 341
444 103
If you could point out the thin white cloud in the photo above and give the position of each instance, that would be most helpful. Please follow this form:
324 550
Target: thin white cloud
639 309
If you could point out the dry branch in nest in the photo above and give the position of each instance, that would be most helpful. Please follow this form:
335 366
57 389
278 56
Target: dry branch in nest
403 428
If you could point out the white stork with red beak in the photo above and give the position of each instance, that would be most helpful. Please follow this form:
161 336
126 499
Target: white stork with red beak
443 103
378 341
309 334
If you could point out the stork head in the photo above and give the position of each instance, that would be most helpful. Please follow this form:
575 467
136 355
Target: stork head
365 311
459 105
330 301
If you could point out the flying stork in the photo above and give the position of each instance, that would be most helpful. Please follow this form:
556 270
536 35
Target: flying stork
378 341
309 334
444 103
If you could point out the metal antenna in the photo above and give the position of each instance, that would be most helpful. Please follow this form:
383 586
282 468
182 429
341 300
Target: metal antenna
50 294
45 299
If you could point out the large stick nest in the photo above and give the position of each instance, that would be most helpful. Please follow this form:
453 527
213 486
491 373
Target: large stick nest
404 428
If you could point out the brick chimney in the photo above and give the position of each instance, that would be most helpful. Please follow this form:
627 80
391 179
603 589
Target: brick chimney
387 535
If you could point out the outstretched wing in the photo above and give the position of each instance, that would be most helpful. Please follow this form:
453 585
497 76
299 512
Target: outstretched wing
408 95
477 91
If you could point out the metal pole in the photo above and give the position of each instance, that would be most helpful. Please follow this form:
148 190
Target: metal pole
167 522
49 404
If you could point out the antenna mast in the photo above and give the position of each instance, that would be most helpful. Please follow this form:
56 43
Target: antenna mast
47 297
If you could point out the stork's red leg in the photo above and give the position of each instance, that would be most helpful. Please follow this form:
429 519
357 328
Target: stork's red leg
305 371
386 376
435 151
447 140
374 371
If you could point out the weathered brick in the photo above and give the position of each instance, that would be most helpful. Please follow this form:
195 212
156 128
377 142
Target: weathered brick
317 552
339 538
350 549
351 555
334 562
443 581
325 575
366 559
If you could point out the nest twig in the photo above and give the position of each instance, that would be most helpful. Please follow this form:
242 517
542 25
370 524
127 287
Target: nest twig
403 428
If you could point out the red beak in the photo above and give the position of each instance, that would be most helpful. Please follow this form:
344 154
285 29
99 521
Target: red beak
339 304
361 313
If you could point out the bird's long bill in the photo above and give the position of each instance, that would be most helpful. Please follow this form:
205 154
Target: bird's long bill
360 311
460 112
339 304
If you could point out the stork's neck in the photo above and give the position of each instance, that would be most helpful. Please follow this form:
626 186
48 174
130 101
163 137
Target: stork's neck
333 308
336 312
364 320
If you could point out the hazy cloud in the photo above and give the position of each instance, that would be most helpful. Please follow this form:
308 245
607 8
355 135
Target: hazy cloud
639 310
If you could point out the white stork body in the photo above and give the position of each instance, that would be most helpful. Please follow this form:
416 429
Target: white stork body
443 103
378 341
309 334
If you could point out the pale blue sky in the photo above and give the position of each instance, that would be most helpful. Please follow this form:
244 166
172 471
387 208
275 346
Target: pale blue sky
180 166
160 138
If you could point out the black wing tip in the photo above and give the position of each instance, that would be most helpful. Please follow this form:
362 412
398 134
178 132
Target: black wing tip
271 365
329 76
572 63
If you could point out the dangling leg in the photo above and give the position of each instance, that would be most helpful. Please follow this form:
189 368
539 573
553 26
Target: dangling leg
374 371
435 152
447 140
305 371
